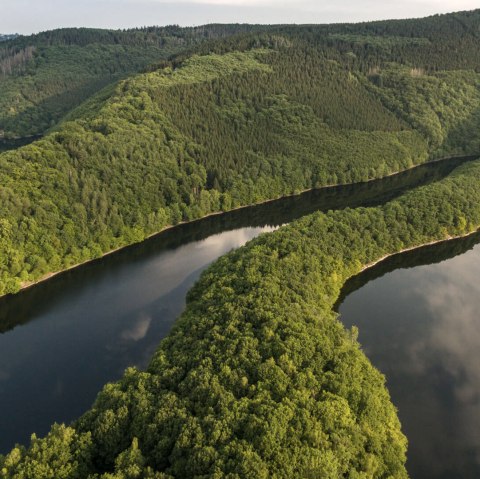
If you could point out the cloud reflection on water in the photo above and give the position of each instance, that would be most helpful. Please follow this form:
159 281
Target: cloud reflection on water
139 329
452 296
421 327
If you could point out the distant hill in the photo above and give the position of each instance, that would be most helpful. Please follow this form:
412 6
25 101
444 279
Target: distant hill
4 37
44 76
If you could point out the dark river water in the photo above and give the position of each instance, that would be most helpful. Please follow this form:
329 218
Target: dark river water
418 316
62 340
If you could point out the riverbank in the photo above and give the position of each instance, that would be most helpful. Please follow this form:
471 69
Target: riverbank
48 276
413 248
258 357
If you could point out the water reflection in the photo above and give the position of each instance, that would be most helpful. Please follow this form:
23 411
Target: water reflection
81 341
138 329
421 327
63 339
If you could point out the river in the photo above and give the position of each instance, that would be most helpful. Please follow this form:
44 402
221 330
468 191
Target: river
418 316
63 339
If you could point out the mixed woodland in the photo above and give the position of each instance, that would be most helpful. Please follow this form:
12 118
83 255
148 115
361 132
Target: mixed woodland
258 378
245 119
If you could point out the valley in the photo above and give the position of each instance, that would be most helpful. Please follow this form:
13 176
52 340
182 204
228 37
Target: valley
237 363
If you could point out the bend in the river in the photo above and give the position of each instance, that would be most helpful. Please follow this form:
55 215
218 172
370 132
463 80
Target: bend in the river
83 343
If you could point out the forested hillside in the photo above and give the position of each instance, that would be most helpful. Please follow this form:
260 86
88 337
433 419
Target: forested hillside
44 76
7 36
258 378
248 118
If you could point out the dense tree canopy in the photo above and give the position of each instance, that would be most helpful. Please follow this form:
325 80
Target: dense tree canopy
297 108
257 378
44 76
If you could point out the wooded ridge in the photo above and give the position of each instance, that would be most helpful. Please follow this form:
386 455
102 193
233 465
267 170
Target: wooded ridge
257 378
306 107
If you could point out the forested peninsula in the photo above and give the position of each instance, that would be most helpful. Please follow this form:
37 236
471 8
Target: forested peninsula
258 378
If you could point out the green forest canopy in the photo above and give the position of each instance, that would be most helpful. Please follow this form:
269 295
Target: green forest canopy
247 118
234 391
258 378
44 76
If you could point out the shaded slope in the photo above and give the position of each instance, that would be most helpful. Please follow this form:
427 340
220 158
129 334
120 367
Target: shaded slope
44 76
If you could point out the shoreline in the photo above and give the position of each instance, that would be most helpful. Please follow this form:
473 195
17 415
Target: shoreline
29 284
413 248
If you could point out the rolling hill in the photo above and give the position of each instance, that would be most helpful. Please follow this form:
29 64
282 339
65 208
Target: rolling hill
258 378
